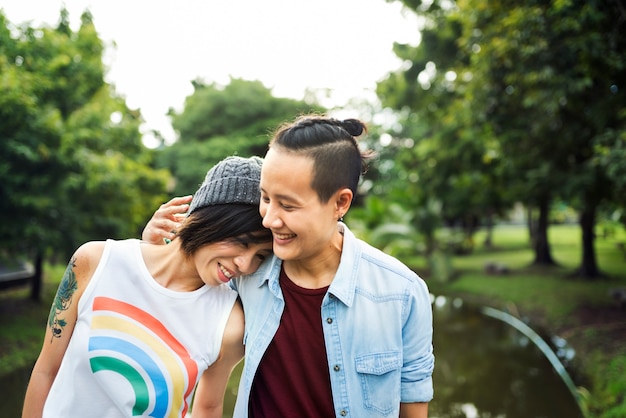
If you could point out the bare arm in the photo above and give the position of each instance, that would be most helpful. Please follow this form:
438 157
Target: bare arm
414 410
166 220
209 398
60 327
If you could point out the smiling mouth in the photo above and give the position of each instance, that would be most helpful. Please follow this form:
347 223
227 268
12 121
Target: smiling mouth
283 236
226 272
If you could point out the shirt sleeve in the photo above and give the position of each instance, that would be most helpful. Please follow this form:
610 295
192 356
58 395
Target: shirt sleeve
417 337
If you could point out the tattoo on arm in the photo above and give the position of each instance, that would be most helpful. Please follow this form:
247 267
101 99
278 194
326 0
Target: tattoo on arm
62 300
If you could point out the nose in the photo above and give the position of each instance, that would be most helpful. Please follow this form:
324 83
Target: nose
270 216
245 263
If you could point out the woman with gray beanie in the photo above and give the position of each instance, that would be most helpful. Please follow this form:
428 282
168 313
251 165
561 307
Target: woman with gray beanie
135 327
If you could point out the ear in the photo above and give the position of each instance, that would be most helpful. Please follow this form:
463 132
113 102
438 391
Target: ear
343 201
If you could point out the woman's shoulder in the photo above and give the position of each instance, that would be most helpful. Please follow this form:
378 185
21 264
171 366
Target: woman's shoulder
91 250
86 258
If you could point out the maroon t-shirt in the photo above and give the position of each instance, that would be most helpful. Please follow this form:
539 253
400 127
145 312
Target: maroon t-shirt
293 378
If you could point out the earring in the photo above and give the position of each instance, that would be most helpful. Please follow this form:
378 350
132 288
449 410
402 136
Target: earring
340 218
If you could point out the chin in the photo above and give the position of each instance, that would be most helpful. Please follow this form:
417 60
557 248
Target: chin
284 255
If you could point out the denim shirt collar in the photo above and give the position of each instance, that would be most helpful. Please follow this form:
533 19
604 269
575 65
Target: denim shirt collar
270 272
344 283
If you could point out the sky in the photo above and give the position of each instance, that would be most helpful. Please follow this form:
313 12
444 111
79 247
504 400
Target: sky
155 48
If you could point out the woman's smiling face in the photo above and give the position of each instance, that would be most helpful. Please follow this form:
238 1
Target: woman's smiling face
220 262
302 226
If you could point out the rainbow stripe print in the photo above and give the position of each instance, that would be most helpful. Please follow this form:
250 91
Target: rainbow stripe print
138 348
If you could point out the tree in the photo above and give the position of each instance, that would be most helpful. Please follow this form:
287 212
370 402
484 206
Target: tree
57 134
218 121
30 169
610 155
459 164
547 71
111 171
539 82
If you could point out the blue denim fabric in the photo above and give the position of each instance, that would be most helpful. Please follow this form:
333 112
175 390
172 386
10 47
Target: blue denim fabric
377 322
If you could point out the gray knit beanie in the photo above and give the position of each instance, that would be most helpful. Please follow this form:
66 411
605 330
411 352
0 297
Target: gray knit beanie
232 180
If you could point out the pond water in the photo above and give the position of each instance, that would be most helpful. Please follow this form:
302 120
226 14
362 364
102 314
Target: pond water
485 368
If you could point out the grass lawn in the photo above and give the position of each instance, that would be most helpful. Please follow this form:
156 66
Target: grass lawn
550 290
24 322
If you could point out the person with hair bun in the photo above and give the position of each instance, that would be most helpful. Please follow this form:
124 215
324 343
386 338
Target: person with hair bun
334 326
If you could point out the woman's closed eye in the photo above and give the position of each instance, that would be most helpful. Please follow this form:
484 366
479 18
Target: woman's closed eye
263 256
283 205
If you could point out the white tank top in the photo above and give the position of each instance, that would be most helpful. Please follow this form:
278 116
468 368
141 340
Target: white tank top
138 349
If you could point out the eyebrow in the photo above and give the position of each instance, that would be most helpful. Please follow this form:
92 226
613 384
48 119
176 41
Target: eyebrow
282 196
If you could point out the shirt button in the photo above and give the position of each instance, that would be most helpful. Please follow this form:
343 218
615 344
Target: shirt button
329 320
343 413
336 368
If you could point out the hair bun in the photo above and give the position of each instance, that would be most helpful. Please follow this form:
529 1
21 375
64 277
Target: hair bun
353 126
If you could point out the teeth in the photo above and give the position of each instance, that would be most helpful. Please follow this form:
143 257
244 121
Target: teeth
284 236
226 272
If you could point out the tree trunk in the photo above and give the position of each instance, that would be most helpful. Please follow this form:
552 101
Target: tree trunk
543 256
489 230
530 223
589 267
37 279
469 229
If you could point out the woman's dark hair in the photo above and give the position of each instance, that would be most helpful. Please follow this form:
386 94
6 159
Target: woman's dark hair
337 160
225 222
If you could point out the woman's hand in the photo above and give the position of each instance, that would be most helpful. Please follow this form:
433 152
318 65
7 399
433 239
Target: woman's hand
166 220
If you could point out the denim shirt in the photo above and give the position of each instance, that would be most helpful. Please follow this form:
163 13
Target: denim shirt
377 324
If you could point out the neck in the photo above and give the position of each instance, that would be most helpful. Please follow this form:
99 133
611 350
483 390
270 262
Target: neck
170 268
317 271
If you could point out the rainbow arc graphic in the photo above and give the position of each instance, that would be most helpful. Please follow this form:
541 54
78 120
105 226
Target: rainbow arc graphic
135 345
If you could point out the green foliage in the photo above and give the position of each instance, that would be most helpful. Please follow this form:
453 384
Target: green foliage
387 227
30 166
449 162
218 121
72 164
190 161
609 387
610 157
513 101
111 173
241 108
